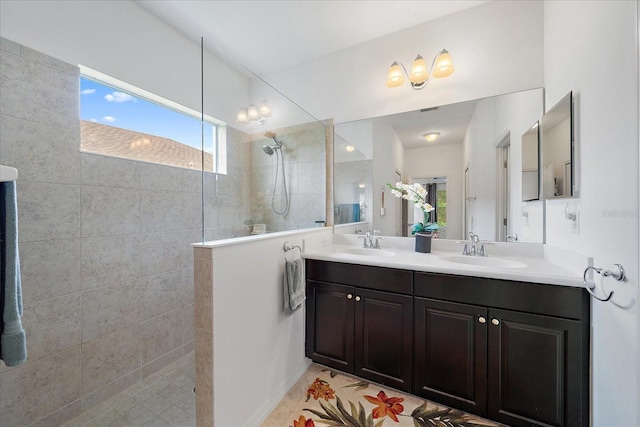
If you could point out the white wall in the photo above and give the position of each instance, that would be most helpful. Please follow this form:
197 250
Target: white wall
582 40
123 40
484 42
440 161
387 159
258 350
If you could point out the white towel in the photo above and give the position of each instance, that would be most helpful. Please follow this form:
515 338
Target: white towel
293 285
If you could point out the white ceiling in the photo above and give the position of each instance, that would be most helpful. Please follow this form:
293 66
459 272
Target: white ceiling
266 36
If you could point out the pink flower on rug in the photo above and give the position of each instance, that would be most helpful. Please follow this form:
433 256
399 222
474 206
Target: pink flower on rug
320 389
303 422
386 406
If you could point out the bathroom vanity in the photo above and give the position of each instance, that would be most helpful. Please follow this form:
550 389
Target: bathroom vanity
510 350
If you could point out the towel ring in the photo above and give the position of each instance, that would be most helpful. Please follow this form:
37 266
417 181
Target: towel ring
617 274
287 247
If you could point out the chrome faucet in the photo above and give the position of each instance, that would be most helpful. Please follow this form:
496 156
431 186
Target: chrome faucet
513 238
376 242
367 240
372 239
474 250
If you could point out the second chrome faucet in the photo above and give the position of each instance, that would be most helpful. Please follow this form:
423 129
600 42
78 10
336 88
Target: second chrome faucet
372 240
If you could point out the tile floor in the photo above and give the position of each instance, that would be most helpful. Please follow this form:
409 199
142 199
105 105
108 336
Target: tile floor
165 399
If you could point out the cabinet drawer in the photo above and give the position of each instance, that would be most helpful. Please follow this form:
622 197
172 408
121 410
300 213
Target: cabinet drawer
364 276
550 300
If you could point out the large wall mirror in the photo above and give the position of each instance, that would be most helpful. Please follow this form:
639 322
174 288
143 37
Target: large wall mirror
530 164
475 162
558 162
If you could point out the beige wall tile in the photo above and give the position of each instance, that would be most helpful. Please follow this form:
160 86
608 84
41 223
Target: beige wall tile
109 308
160 293
108 260
162 252
48 211
110 357
32 391
105 392
204 294
52 325
160 335
106 212
49 268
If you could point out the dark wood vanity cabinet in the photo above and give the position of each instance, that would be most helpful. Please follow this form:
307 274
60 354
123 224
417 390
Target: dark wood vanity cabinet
356 328
524 367
514 352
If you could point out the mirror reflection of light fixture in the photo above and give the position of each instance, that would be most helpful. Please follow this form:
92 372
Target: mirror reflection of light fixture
441 66
431 136
254 114
350 148
362 185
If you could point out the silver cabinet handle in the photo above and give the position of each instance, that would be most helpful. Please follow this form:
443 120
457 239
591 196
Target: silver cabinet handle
349 296
495 321
482 319
357 298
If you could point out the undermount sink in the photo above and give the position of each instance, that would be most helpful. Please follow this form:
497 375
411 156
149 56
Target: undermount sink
367 252
483 261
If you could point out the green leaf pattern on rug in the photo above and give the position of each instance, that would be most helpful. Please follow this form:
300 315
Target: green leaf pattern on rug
360 385
433 415
339 416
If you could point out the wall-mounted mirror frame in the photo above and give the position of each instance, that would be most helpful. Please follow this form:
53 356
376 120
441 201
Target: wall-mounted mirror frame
558 162
531 163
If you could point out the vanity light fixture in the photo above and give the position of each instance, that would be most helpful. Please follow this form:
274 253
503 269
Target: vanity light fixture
419 76
254 114
431 136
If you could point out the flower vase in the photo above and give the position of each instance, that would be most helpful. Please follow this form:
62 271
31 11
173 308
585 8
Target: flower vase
423 242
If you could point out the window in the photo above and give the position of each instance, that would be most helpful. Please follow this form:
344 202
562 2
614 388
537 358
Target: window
120 120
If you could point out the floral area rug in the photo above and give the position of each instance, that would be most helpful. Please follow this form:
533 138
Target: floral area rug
327 398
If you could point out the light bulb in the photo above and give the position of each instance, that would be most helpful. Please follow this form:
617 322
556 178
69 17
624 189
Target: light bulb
419 71
252 112
242 116
265 111
431 136
444 65
395 78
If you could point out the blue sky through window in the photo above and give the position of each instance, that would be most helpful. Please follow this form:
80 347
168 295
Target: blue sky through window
106 105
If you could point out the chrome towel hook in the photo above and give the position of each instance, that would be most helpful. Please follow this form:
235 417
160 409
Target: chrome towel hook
617 273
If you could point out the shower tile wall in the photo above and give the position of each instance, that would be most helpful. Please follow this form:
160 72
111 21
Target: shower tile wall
305 171
107 266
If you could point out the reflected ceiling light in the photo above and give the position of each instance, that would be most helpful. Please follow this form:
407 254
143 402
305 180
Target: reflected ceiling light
254 114
350 148
362 185
431 136
419 76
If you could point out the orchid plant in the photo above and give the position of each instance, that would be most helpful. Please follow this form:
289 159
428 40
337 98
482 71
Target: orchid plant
416 194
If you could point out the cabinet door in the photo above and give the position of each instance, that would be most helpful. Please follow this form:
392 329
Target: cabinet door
330 319
451 354
536 367
383 338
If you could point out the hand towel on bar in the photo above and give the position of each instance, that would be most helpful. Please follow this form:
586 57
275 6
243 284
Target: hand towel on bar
293 285
13 344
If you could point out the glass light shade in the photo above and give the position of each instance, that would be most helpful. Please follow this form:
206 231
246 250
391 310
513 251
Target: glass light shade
395 78
444 65
242 116
265 111
252 112
419 71
431 136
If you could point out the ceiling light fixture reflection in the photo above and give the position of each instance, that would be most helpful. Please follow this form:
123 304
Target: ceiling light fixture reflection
254 114
431 136
442 66
350 148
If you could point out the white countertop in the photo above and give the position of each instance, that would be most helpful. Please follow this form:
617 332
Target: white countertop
532 260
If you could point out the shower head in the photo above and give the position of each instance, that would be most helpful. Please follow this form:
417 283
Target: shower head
269 149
